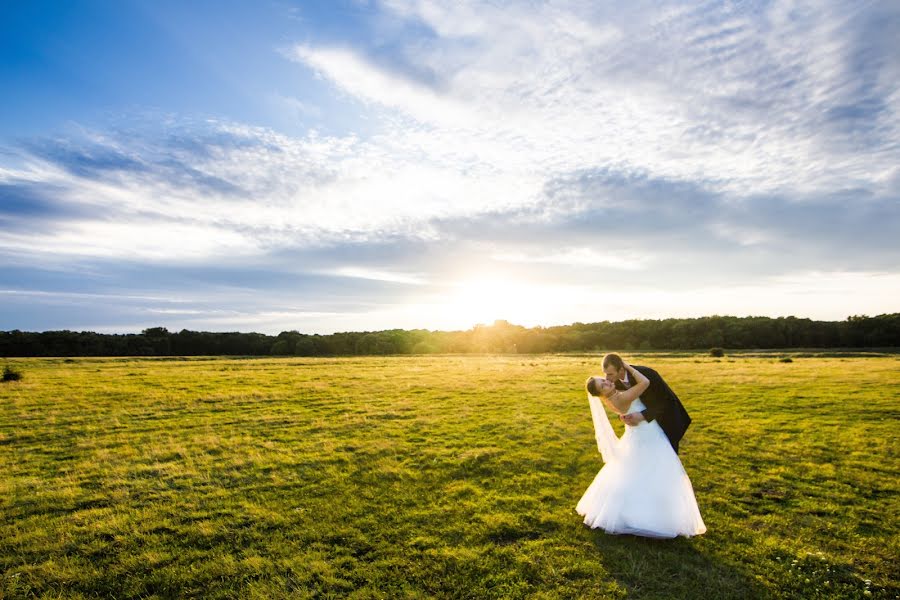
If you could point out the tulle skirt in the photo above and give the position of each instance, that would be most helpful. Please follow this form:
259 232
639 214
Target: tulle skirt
644 491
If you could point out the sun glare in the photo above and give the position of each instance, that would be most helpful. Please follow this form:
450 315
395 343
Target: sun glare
483 300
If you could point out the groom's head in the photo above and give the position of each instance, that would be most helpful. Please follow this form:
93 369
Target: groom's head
613 367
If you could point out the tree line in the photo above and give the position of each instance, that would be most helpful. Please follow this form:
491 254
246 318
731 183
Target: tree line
881 331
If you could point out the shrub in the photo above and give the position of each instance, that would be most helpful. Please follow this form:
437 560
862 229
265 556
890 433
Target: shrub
717 352
10 374
786 359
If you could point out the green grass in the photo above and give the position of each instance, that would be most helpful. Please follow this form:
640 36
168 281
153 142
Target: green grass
437 476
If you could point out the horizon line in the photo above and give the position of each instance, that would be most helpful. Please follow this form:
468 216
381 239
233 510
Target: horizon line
472 328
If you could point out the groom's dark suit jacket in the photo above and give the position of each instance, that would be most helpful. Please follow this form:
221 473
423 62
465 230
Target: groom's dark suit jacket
663 405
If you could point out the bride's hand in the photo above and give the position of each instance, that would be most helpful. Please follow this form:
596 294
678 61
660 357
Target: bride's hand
632 419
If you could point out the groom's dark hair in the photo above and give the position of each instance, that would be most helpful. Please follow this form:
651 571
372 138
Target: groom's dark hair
614 360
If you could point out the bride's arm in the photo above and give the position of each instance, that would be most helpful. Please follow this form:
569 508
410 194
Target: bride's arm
623 399
615 404
642 381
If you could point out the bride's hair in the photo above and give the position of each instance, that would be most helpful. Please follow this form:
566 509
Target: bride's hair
592 388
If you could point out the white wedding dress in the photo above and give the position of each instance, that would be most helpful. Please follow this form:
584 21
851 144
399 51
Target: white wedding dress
642 488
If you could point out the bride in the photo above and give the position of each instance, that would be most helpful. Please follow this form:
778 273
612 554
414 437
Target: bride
642 488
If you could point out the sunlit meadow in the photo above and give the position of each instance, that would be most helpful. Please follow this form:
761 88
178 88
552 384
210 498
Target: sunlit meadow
435 477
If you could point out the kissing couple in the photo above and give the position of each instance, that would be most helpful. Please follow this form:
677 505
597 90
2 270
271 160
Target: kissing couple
642 488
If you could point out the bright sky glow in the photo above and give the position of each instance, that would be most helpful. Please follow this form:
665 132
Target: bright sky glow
367 165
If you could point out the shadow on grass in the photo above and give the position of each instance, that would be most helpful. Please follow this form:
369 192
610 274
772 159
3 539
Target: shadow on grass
649 568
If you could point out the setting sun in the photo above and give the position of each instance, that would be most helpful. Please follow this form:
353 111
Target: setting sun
485 299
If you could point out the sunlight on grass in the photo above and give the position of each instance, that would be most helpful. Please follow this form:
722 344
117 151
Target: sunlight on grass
437 476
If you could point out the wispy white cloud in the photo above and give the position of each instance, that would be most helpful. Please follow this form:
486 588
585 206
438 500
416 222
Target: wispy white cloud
357 76
365 273
86 295
610 258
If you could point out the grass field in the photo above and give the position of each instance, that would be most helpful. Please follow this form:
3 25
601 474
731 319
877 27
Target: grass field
435 476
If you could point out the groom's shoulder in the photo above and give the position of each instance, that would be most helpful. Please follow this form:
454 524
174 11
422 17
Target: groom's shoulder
646 370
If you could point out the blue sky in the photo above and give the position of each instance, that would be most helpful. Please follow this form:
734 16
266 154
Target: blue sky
334 166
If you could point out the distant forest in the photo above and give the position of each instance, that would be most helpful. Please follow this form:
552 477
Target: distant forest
703 333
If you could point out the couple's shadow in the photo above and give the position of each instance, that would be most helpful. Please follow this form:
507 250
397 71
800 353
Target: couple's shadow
651 568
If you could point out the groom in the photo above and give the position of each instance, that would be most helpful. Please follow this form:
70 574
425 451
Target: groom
661 402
